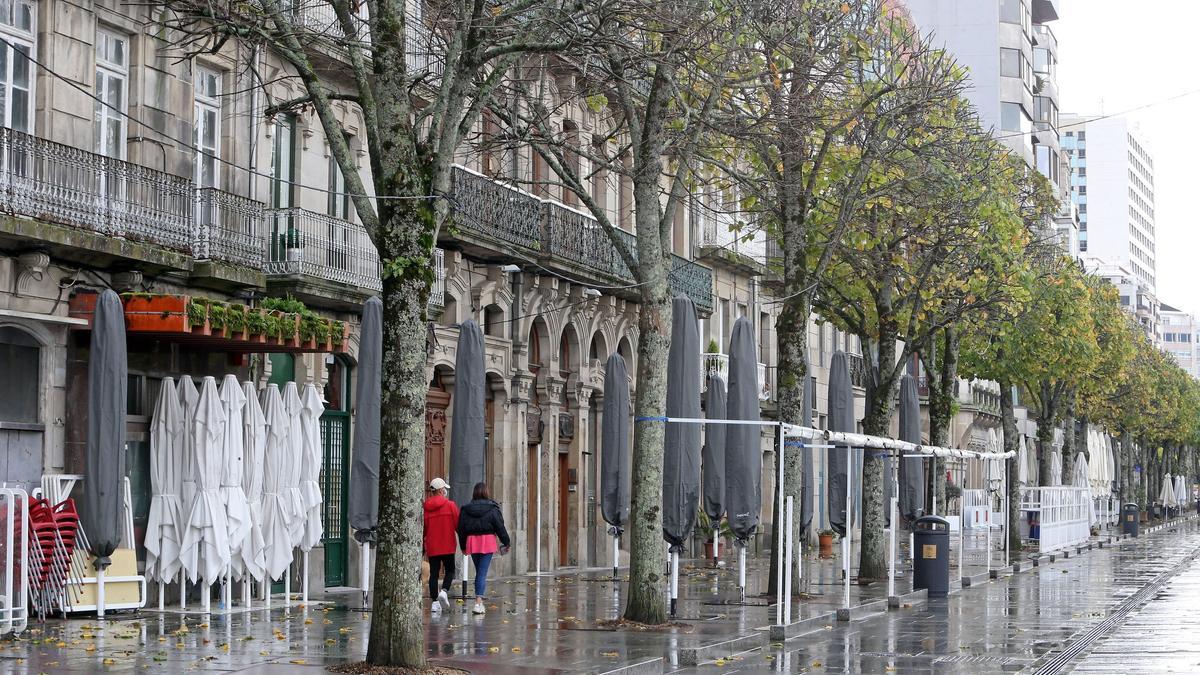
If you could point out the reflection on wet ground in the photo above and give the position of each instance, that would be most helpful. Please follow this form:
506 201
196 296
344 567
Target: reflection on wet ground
554 624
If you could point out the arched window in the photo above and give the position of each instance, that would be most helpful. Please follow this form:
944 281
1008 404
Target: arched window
20 362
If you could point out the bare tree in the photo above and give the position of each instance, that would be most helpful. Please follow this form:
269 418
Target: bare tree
420 84
647 83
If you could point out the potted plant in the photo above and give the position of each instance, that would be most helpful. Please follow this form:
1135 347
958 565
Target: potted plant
217 318
825 542
235 320
197 314
706 529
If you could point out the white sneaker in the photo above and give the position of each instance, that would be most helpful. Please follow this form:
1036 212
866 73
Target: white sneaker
435 608
478 608
443 598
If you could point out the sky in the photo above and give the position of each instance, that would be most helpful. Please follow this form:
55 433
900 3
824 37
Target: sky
1139 59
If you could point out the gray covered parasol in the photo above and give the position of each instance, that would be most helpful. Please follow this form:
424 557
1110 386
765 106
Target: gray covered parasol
364 476
743 444
712 468
912 471
107 380
841 418
807 456
466 431
614 450
681 461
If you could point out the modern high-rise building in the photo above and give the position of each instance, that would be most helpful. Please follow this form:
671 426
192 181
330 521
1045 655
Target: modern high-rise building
1112 184
1179 338
1136 297
1011 56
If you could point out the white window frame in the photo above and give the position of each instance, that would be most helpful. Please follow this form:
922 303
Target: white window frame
19 38
107 72
205 102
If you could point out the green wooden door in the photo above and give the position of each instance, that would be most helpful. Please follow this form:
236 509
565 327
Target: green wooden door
335 476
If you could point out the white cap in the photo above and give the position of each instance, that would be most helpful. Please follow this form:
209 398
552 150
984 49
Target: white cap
438 484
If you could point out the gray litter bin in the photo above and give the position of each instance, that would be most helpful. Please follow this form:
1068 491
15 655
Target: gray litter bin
931 555
1129 519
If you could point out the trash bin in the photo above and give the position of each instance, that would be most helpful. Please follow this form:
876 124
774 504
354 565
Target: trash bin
1129 519
931 555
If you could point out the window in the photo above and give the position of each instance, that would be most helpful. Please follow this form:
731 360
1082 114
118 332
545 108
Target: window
1047 161
207 86
1015 11
1012 118
16 70
283 162
339 196
20 361
1043 61
1044 110
112 72
1010 62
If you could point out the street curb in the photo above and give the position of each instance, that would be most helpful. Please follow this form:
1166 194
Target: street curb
777 633
694 656
651 666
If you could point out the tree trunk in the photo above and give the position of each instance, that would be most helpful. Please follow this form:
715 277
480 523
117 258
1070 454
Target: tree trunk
647 552
792 329
881 389
1045 443
1068 451
397 635
941 376
1012 443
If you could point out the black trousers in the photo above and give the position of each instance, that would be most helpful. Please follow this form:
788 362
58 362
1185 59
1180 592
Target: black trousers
446 562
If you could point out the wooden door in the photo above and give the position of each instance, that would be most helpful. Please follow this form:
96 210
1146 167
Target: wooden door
436 402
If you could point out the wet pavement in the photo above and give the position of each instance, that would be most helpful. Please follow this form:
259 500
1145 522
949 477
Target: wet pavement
556 624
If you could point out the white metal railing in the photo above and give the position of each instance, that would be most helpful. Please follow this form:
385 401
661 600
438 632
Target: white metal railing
61 184
717 232
422 53
317 245
229 228
764 385
14 558
716 364
1062 515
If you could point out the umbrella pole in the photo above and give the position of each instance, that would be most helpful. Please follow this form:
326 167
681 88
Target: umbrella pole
786 562
742 571
182 590
206 600
848 532
716 545
246 590
616 553
287 586
674 580
778 537
266 591
100 592
365 571
162 600
304 581
892 546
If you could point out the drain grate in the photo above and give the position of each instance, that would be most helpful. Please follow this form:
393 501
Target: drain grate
964 658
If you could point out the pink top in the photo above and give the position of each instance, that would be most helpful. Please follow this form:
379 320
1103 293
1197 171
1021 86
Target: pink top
481 543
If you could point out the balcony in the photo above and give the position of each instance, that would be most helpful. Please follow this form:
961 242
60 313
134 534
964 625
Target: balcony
718 364
731 247
305 243
491 218
159 219
317 18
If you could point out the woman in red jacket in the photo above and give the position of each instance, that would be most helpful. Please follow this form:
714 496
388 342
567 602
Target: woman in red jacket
441 525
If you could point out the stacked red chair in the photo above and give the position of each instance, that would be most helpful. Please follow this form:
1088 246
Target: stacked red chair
54 574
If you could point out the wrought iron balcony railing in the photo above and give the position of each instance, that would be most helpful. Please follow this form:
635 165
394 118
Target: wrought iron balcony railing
61 184
437 294
422 53
229 228
313 244
525 223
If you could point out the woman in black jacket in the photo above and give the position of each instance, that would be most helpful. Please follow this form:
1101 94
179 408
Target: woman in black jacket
480 523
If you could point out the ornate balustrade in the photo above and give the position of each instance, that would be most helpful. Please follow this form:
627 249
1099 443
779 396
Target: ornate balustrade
313 244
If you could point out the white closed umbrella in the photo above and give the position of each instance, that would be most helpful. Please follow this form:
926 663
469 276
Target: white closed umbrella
1081 480
1167 496
276 499
994 467
295 446
1180 490
251 562
310 473
1023 473
206 539
165 522
233 495
189 396
1055 467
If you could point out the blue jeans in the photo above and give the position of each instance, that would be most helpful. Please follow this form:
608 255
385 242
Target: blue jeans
482 561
